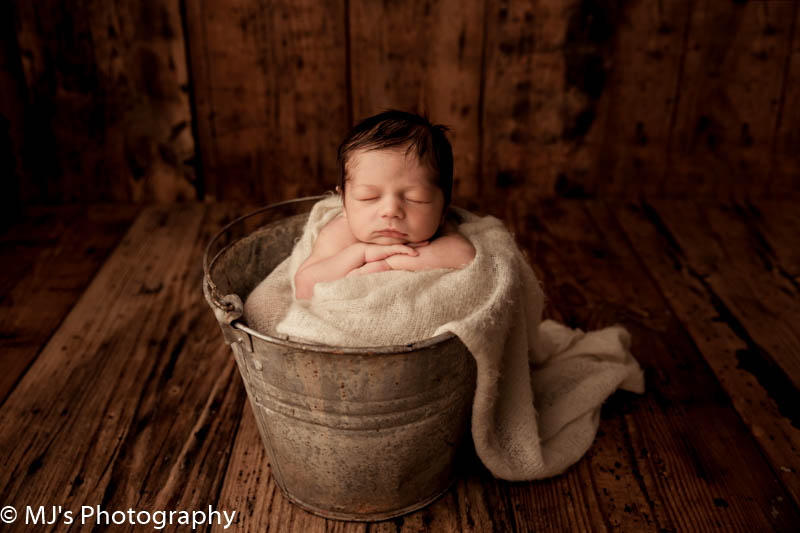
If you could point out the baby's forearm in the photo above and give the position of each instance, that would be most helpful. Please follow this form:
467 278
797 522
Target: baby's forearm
404 262
329 269
371 268
445 252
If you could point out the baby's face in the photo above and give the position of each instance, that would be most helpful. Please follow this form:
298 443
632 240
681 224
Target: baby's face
390 198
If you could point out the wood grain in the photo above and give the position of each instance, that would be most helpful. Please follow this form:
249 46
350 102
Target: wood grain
729 96
270 94
248 100
523 94
48 261
726 256
733 338
624 151
679 434
22 243
776 225
135 401
785 163
12 120
423 57
132 401
108 115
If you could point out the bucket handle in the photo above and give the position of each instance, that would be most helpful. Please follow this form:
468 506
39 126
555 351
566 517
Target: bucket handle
209 287
228 308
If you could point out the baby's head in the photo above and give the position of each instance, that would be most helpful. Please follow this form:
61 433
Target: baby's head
395 177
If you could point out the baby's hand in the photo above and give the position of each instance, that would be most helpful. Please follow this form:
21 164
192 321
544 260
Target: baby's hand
376 252
369 268
418 244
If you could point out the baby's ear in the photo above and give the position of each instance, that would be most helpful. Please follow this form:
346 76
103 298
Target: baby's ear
338 190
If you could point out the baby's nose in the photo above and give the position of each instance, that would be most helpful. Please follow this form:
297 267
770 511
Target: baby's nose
391 208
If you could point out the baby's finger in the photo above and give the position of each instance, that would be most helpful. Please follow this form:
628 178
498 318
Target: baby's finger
403 249
418 244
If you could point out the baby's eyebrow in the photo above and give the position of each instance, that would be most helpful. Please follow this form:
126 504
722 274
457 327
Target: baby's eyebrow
424 188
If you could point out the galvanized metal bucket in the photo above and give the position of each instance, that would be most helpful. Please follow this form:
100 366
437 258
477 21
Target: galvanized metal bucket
351 433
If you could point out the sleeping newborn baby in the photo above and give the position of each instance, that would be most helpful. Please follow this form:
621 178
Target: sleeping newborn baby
396 178
540 384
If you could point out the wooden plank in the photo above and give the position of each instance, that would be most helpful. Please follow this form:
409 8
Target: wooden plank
424 57
524 75
562 503
728 257
48 260
12 121
729 96
133 402
108 94
691 459
722 326
579 97
34 230
775 224
784 164
271 96
634 70
609 476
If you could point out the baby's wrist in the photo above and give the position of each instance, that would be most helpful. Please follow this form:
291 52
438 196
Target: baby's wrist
362 251
383 265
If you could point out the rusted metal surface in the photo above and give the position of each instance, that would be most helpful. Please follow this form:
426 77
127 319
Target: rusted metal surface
351 433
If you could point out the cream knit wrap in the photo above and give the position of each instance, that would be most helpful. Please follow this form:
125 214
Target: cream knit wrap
540 385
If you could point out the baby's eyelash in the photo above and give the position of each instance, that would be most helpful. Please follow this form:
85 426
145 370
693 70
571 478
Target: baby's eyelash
375 198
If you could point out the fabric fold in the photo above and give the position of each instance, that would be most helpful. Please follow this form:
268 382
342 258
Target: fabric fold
540 385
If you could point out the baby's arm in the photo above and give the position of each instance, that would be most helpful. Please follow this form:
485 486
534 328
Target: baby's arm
335 254
316 269
448 251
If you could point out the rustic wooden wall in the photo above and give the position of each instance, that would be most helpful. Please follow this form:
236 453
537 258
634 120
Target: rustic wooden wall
246 100
12 91
107 107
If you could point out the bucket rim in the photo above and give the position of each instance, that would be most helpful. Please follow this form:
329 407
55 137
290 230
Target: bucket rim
214 299
348 350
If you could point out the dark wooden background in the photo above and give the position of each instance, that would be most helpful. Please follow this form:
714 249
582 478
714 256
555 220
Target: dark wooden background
171 100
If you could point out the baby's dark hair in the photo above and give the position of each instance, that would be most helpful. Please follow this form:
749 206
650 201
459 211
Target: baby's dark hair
398 129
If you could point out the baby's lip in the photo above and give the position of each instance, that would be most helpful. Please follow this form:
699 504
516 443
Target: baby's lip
391 232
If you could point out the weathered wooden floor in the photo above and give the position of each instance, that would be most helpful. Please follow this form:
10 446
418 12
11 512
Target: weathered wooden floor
118 390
